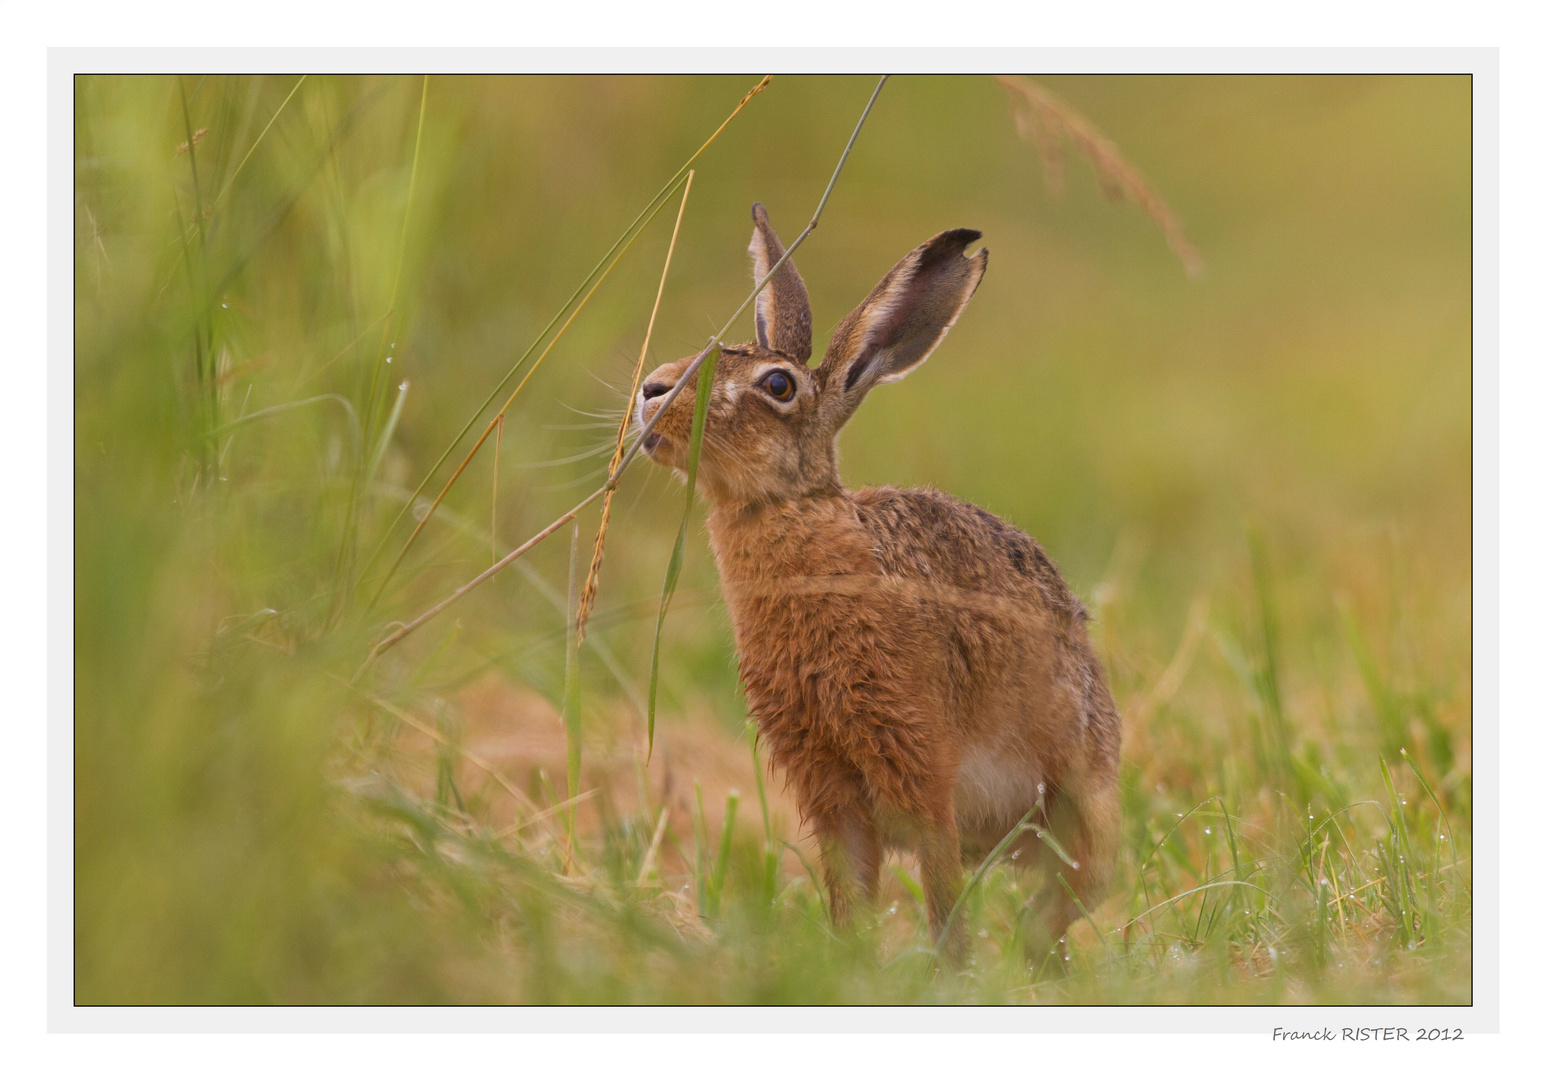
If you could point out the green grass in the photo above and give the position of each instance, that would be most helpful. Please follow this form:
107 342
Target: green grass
1259 482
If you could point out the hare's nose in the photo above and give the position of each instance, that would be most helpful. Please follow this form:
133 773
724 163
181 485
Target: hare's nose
654 389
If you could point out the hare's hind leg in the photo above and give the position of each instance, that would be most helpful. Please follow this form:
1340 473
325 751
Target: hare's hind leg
850 854
1087 830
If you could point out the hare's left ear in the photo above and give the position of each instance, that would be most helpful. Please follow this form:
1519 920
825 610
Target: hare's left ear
783 308
902 320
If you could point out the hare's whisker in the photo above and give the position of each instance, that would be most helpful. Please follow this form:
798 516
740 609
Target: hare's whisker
571 459
586 478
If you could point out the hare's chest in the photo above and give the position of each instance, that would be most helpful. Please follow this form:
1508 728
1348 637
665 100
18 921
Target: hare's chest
834 654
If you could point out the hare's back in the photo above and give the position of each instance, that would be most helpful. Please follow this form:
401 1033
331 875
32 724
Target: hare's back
928 536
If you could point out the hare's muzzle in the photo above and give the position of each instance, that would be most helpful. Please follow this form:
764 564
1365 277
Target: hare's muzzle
644 411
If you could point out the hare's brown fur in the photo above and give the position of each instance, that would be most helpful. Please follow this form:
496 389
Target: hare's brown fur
916 666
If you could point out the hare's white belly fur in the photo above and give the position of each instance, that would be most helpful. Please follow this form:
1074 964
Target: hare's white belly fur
994 786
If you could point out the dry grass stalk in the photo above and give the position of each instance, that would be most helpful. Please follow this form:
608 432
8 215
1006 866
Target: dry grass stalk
647 867
592 579
1048 120
493 524
552 811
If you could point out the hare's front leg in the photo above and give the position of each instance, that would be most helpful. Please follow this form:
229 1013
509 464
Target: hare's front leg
850 854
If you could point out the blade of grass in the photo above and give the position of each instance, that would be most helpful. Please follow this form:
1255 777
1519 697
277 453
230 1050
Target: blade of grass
403 630
1022 826
699 842
592 579
1110 955
770 852
188 145
1274 744
821 895
679 548
638 223
402 251
345 568
272 410
198 289
722 860
1449 833
226 187
193 168
345 576
1401 869
387 431
1387 706
1171 900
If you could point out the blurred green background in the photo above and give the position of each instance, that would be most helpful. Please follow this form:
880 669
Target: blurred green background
1276 454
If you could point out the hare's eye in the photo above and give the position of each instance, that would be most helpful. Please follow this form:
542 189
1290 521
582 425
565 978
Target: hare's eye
778 384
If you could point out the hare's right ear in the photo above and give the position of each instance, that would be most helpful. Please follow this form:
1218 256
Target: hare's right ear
783 308
902 320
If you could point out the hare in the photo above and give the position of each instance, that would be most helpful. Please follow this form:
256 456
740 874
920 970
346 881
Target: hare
916 667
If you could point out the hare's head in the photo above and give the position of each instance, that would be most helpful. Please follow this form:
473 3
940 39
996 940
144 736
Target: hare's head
772 422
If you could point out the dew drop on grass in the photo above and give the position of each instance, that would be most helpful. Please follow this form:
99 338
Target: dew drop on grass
1207 832
389 359
982 933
